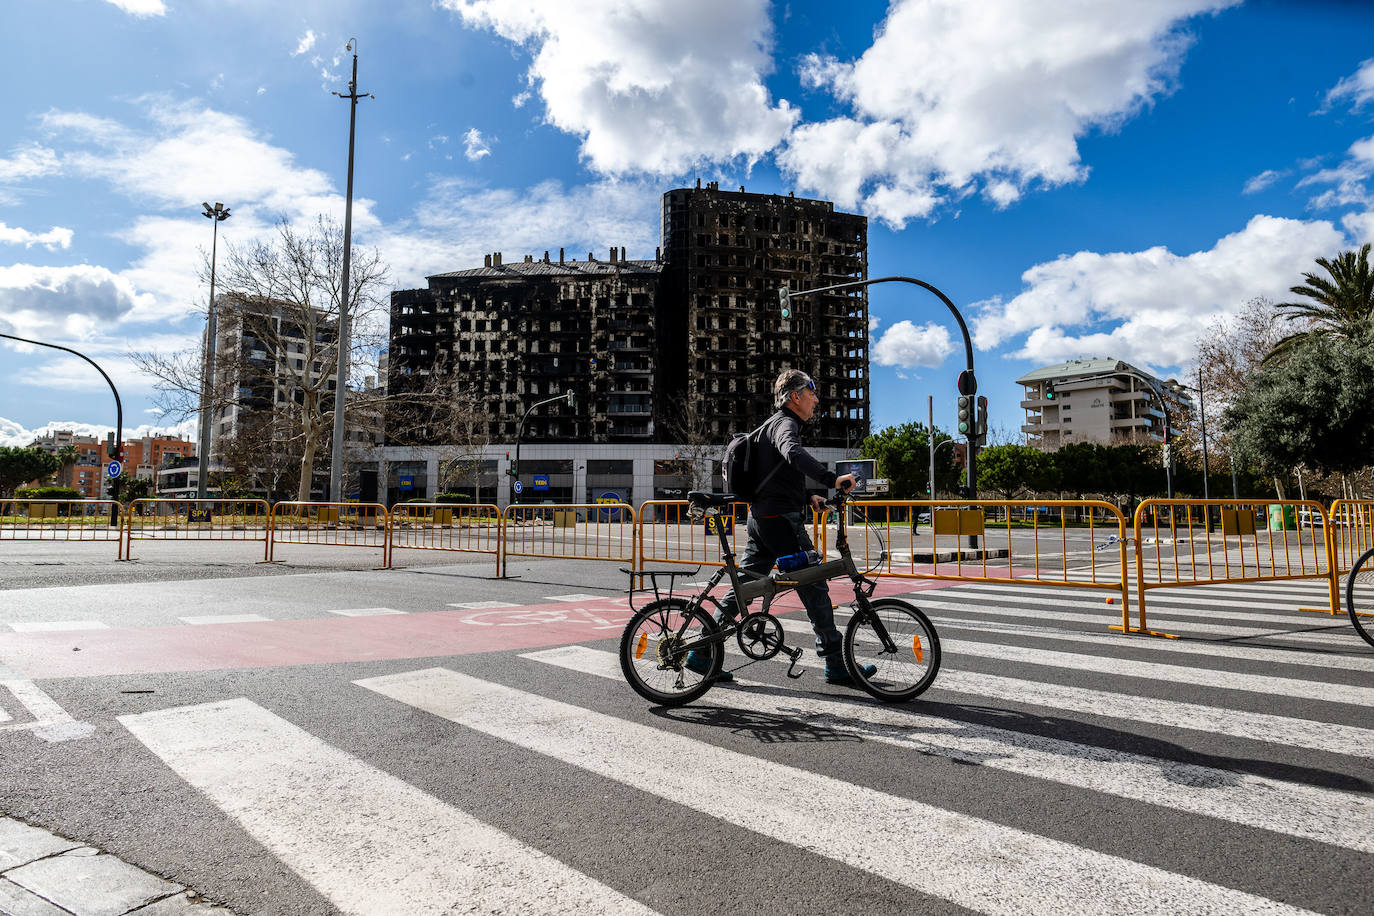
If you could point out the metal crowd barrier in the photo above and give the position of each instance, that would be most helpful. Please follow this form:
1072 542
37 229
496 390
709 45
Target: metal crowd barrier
62 520
197 520
667 534
461 527
569 531
1062 543
1351 525
330 525
1208 542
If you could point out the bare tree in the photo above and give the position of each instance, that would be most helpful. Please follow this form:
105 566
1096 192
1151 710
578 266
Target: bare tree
694 430
279 319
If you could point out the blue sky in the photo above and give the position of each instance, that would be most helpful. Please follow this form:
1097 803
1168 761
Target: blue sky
1083 178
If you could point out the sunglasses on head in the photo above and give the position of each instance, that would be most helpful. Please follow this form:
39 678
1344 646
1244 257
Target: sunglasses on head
810 385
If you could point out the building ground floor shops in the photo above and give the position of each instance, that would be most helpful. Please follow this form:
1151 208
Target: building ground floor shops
560 473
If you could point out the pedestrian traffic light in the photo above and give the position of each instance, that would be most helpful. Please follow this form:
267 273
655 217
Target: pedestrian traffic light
785 301
980 422
966 409
1049 391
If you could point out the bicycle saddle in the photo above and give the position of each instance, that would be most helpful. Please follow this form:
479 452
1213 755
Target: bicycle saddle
702 500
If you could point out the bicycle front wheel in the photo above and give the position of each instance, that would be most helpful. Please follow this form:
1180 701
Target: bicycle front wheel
906 663
652 659
1359 596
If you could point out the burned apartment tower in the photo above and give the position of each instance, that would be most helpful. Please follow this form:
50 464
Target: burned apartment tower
684 346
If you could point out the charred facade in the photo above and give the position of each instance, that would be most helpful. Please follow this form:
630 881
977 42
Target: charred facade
637 340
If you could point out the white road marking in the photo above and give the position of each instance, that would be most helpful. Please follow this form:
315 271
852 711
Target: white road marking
576 597
1155 671
50 722
53 626
224 618
990 867
484 605
366 840
1324 815
366 611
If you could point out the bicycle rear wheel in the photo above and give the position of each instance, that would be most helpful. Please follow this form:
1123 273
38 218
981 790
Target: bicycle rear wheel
900 673
1359 596
651 660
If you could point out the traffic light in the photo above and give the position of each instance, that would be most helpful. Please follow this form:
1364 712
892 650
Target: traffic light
785 301
1049 391
966 411
980 423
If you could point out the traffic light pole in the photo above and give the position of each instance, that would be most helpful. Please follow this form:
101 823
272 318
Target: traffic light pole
119 413
967 377
1168 424
512 497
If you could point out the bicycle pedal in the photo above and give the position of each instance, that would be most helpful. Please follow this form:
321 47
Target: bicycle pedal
795 655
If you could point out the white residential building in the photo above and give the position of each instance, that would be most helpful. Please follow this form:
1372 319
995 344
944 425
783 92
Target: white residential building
1096 400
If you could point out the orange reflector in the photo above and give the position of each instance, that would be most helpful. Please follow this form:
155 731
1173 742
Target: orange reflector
916 647
641 645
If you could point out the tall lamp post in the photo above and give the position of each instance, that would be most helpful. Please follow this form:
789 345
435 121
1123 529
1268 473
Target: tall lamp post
967 379
345 294
119 411
567 397
216 214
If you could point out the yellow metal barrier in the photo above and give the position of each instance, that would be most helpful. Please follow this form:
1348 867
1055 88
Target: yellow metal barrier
197 520
460 527
329 525
1351 524
668 535
1208 542
62 520
569 531
1029 542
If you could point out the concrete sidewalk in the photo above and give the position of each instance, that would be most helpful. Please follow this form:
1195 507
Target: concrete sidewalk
42 874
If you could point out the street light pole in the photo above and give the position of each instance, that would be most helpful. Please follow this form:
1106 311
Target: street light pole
341 374
1163 405
570 399
216 214
119 410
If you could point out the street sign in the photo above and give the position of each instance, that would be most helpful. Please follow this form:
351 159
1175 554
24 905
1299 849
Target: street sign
519 488
878 485
114 469
202 514
406 482
541 481
714 523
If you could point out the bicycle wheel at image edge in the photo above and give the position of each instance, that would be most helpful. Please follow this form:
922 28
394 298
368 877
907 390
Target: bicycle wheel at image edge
899 675
1359 596
648 658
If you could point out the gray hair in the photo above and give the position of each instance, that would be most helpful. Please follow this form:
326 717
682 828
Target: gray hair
788 381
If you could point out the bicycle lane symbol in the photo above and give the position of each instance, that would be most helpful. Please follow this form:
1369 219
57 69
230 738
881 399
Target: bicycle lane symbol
609 614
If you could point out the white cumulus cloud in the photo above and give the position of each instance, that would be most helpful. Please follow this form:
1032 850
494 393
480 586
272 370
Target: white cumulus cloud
31 161
1149 306
649 85
141 7
956 97
475 145
62 302
305 44
910 347
1357 89
54 238
1261 181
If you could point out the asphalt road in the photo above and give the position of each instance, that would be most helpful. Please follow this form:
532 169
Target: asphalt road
310 739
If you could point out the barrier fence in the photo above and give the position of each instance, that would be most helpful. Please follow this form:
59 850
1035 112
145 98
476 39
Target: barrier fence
607 532
1208 542
198 520
330 525
459 527
62 520
1078 544
1351 525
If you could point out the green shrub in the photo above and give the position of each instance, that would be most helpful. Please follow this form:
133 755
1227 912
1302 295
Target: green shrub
47 493
451 498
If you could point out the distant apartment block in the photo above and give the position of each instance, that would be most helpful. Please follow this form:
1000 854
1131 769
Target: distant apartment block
1094 400
142 458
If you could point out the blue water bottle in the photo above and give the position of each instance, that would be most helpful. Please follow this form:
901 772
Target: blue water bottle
795 561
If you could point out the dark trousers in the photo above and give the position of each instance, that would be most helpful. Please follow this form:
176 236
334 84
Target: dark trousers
776 536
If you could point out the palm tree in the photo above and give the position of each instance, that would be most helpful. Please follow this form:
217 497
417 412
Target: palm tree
67 456
1342 306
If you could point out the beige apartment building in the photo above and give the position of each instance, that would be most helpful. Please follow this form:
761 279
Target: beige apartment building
1108 401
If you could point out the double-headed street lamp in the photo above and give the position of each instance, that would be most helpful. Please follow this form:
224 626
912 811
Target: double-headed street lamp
568 398
216 214
1164 406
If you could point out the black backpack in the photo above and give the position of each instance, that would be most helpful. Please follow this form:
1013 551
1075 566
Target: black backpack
741 465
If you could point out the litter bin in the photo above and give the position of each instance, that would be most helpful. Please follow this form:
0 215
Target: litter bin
565 518
1281 518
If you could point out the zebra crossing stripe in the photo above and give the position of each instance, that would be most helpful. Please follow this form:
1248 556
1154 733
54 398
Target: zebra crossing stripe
1154 671
990 867
1274 655
1324 815
1176 606
367 841
208 619
1191 626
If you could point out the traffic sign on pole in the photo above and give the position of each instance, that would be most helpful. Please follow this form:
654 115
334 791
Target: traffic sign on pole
114 469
